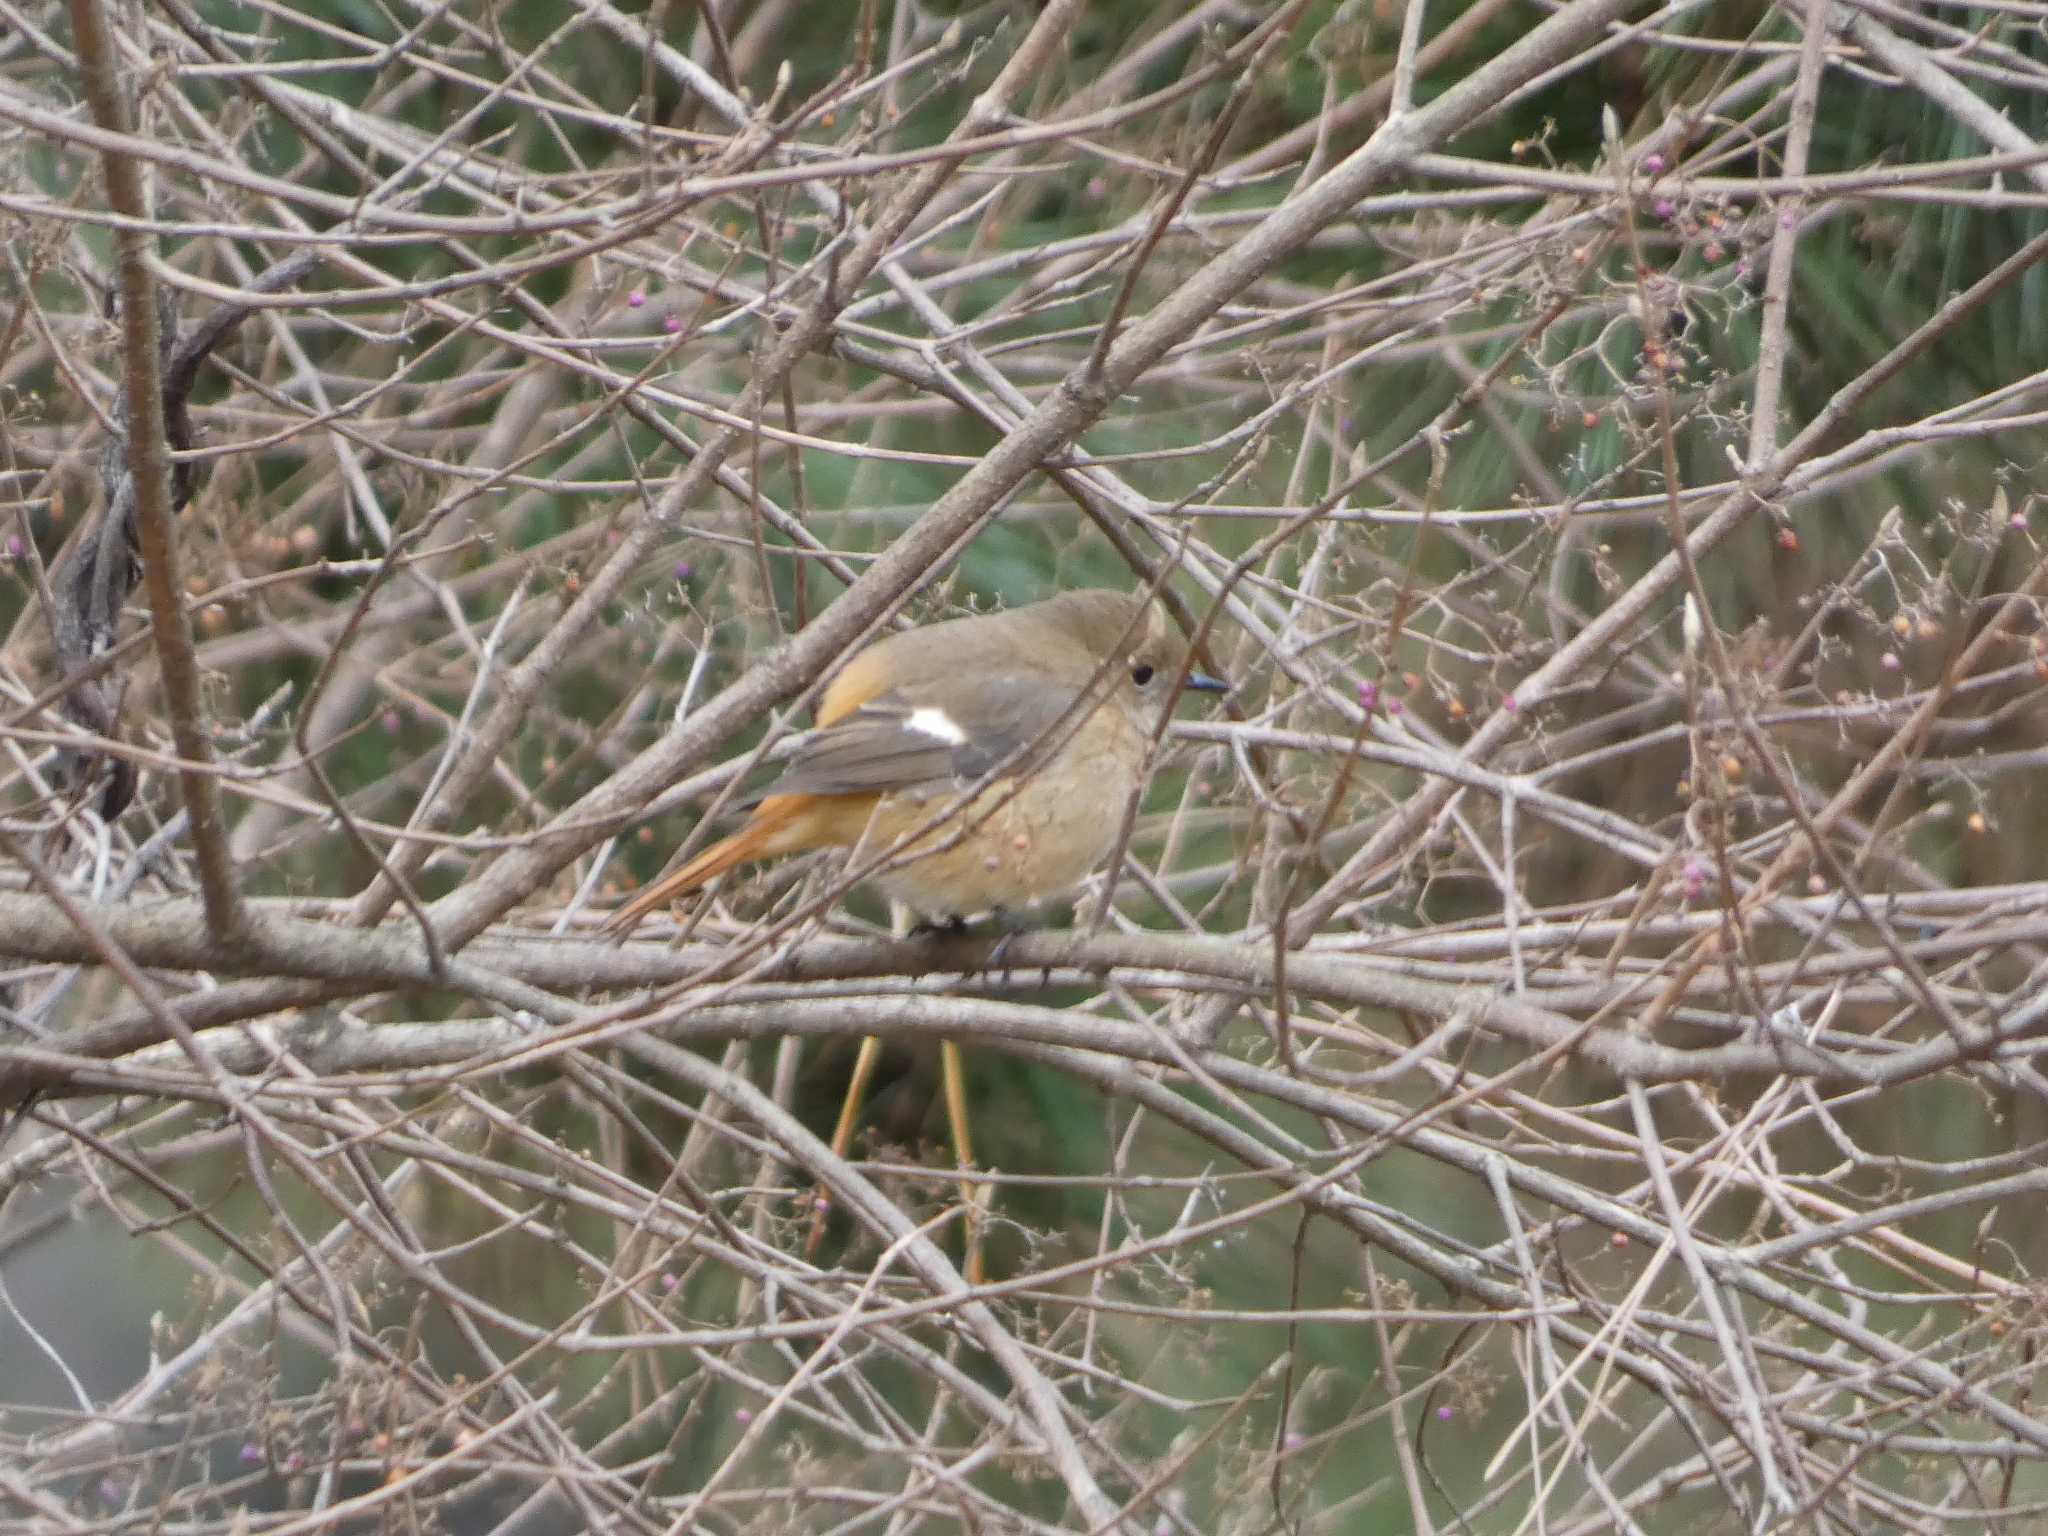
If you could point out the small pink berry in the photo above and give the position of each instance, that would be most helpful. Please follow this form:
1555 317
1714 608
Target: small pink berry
251 1454
635 299
15 548
1445 1412
1695 879
1666 208
1889 661
1368 697
743 1415
295 1462
670 1282
391 722
1714 252
1393 706
1508 703
1653 163
682 570
671 323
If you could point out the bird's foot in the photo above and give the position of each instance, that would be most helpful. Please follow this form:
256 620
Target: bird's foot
997 921
999 952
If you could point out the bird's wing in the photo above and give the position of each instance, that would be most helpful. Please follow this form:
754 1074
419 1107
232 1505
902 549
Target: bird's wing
900 740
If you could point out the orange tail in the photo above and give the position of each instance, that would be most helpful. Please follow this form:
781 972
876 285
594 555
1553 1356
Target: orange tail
778 825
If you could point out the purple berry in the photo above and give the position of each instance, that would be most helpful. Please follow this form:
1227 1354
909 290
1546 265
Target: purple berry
1695 878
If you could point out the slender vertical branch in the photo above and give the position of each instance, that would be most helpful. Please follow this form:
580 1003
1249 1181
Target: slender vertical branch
1771 346
149 467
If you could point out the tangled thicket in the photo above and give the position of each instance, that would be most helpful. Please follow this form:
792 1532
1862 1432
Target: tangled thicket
1557 1051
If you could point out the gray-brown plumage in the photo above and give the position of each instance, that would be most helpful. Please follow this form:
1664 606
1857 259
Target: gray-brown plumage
1057 700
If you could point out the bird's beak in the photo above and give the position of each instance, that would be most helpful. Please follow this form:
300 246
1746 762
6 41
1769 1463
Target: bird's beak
1202 682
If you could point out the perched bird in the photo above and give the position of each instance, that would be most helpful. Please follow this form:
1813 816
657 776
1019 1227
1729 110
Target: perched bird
1054 705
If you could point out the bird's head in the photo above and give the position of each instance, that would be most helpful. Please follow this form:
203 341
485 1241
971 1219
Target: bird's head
1146 650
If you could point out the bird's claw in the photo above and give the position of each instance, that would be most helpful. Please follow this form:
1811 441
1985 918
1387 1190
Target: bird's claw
957 927
998 954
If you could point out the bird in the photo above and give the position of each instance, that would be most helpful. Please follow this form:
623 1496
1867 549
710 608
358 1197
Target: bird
1004 748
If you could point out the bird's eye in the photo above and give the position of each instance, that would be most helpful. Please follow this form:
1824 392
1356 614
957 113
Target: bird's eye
1141 674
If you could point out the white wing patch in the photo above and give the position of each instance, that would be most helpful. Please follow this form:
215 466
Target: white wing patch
932 721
